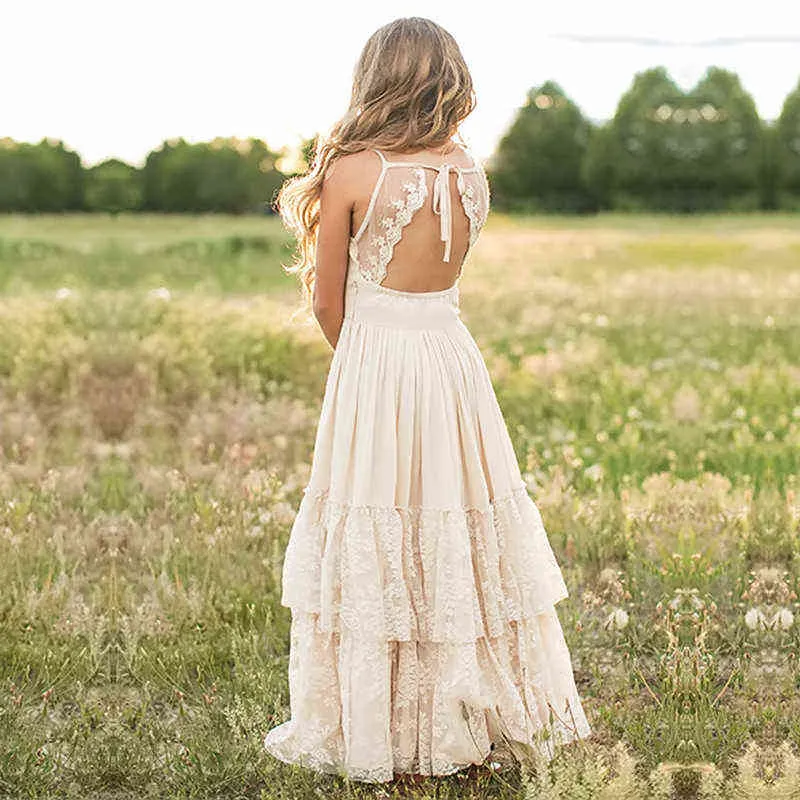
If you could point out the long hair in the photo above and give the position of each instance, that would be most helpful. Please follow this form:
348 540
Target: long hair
411 90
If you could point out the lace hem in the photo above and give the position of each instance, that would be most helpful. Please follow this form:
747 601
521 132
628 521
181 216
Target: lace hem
420 573
367 709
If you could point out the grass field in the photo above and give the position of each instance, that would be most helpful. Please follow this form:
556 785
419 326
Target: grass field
158 402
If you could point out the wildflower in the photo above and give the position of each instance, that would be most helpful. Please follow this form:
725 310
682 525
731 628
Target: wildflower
783 619
284 513
755 619
594 473
162 293
617 619
590 599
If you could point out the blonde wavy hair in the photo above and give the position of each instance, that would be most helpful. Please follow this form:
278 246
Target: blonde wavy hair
411 91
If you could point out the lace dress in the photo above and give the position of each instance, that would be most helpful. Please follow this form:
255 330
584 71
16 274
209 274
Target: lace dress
419 575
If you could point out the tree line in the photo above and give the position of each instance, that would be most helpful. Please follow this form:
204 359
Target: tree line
226 175
664 149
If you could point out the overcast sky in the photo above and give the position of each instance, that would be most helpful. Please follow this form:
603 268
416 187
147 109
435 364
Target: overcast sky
115 78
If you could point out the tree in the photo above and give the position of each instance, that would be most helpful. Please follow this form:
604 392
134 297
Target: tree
538 163
673 150
732 164
227 175
113 186
307 151
40 177
642 159
598 168
787 152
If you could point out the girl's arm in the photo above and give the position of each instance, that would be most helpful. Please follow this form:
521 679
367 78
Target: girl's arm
333 239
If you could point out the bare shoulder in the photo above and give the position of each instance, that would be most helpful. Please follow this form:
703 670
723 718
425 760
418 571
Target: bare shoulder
352 173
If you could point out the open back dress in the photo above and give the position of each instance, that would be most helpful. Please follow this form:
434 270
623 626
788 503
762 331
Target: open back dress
421 582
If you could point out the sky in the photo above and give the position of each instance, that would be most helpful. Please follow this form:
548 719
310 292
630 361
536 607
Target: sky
114 79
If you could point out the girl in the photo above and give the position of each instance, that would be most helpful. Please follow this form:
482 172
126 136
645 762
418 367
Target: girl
420 578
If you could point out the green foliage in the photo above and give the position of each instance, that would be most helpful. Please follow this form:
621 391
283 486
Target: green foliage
538 164
665 149
225 175
40 177
787 152
598 168
696 151
307 150
113 186
228 175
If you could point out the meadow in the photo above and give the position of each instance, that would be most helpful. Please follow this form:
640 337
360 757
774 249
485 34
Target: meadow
159 392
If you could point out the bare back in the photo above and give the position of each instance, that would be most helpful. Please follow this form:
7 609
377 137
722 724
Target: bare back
420 221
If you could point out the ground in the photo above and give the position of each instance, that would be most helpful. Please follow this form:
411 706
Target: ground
159 391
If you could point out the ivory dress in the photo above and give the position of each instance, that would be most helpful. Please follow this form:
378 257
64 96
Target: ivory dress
419 575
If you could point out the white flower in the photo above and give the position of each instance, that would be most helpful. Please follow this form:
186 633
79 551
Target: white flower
783 619
162 293
755 619
284 513
63 293
594 473
617 619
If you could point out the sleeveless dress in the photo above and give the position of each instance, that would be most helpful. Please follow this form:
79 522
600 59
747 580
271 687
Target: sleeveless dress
419 575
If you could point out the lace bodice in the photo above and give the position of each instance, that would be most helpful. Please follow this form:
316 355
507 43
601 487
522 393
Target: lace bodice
400 191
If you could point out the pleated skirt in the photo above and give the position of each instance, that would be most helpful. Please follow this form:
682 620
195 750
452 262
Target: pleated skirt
419 574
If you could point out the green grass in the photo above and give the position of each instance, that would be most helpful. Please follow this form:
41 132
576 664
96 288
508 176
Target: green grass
154 445
143 251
